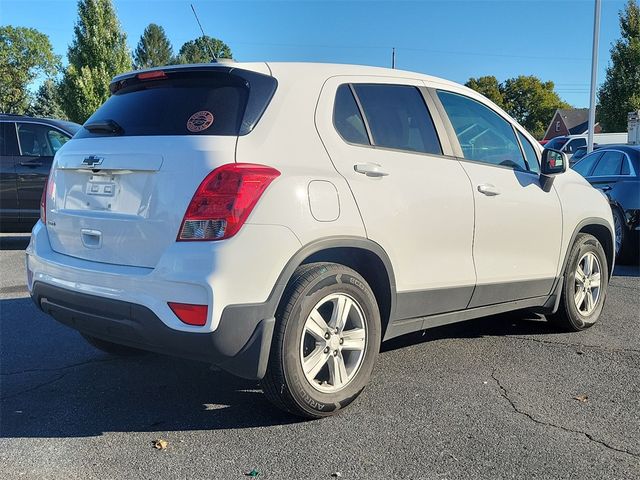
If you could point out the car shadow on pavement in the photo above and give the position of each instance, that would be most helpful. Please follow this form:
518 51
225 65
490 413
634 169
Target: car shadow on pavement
628 270
53 384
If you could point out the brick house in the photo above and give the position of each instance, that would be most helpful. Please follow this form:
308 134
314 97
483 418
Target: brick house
571 121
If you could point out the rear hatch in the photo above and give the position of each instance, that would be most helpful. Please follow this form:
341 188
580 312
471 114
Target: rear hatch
120 188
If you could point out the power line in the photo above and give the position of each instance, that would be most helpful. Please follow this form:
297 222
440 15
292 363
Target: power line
426 50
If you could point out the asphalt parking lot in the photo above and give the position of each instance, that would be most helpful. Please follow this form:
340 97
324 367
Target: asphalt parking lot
492 398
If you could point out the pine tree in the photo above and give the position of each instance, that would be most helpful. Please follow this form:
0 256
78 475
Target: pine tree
98 52
47 102
620 92
199 50
154 48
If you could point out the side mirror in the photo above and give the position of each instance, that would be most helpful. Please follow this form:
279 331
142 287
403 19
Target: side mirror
553 163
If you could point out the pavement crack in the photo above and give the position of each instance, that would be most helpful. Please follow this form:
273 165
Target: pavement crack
504 394
575 345
58 369
35 387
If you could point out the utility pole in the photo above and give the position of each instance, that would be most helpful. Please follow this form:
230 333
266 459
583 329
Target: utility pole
393 57
594 74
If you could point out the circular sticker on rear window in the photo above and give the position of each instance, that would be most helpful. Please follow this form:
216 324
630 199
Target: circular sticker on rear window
200 121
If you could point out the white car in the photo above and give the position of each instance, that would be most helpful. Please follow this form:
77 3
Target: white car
570 144
282 220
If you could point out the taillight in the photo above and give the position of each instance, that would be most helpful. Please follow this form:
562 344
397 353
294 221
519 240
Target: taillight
189 313
224 200
43 205
46 191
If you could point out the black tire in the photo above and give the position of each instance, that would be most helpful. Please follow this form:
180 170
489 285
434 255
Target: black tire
285 383
112 348
568 317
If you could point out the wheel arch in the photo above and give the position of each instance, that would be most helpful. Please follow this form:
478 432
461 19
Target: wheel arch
362 255
600 229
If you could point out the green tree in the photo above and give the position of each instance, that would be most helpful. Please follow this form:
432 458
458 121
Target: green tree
47 102
98 52
620 92
154 48
489 87
197 51
528 99
531 102
25 54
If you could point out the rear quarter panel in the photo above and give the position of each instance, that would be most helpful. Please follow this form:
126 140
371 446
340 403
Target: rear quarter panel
286 139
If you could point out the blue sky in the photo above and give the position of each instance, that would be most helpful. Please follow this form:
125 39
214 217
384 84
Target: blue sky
452 39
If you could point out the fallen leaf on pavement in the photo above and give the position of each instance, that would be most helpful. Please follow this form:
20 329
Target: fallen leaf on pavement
581 398
160 444
252 473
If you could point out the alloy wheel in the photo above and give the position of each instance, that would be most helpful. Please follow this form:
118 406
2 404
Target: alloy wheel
333 342
587 284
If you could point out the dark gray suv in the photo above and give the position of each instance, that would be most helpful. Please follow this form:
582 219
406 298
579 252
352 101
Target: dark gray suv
27 147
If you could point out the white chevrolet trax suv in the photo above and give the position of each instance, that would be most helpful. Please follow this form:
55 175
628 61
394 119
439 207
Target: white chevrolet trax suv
281 220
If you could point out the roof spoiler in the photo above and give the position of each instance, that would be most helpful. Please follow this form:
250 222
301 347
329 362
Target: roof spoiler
119 81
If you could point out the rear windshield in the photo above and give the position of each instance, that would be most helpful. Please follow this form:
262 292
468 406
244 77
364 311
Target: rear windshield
183 103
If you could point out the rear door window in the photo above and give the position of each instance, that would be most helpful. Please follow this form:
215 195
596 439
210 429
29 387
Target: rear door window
8 139
626 170
56 140
583 167
398 117
610 164
38 140
347 118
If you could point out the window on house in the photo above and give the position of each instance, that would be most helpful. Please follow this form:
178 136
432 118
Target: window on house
558 126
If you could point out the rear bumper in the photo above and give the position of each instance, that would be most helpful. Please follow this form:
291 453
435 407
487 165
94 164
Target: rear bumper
128 305
240 345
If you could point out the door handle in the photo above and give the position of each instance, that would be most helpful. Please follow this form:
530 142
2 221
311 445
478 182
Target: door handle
488 189
31 164
370 169
606 188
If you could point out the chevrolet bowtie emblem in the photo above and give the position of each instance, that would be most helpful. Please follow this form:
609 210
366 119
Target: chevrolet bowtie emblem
92 160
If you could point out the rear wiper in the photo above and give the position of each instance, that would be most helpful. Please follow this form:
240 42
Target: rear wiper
104 126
